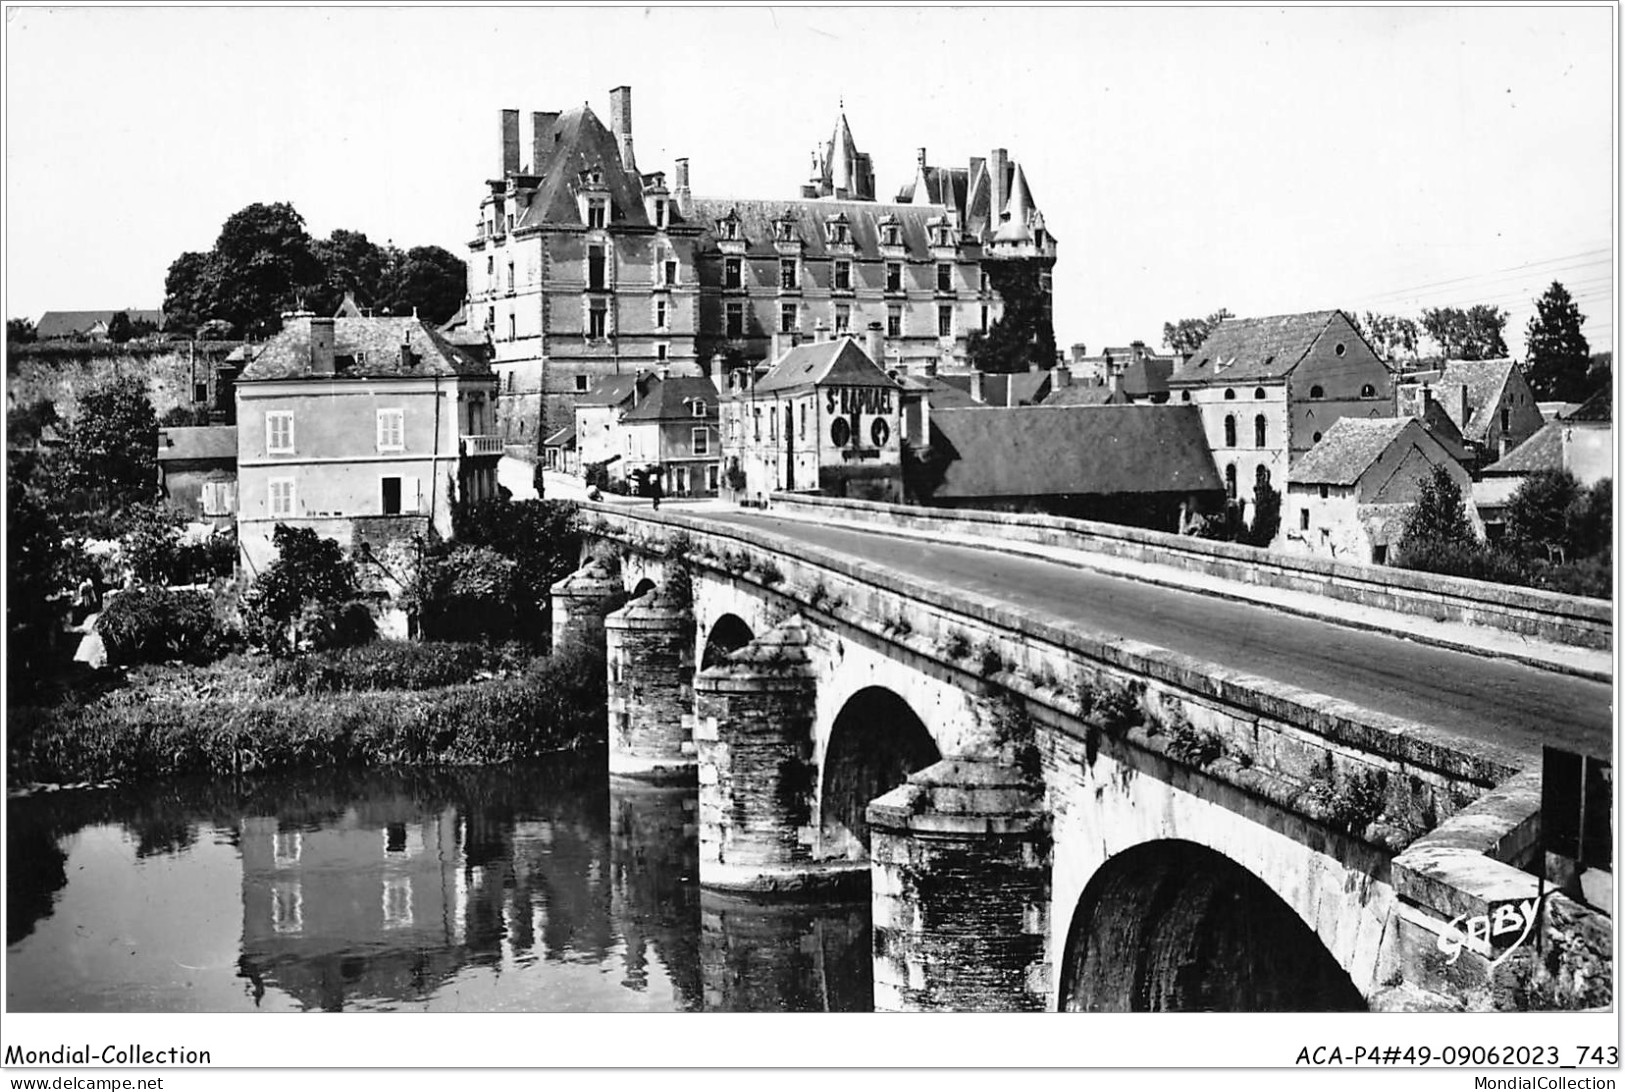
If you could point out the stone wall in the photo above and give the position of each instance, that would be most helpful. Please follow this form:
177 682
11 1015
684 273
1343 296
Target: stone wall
1563 619
63 373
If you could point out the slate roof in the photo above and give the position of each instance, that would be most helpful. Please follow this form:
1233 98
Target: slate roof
1542 451
365 348
1015 388
54 324
1145 378
564 437
1598 409
1484 380
824 362
941 394
946 186
217 442
1073 450
672 399
1348 449
577 142
612 390
757 217
1254 348
1086 394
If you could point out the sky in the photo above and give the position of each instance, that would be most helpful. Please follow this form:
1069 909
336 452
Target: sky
1266 160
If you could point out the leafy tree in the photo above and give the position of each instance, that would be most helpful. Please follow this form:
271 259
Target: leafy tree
1600 376
1187 335
465 594
151 544
185 417
539 536
38 568
119 328
1471 334
19 331
1024 333
428 278
1392 337
351 263
1544 513
111 453
1559 357
190 290
309 593
1439 515
265 265
1266 515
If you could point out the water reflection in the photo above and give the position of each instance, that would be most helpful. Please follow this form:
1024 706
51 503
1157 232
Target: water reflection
541 888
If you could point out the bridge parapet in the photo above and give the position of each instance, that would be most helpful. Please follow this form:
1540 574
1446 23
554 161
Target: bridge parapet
1548 616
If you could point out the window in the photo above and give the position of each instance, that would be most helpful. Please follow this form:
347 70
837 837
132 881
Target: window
787 273
787 318
1368 391
894 276
843 276
598 320
660 213
1184 396
662 351
893 235
391 430
1260 432
1506 418
1261 479
1303 519
1325 491
1379 555
838 232
728 229
1229 396
581 384
510 221
669 272
803 420
736 320
1229 430
491 318
843 318
1317 391
711 478
1316 438
757 413
490 265
945 321
784 231
510 278
509 382
279 433
513 328
1258 392
1230 481
595 267
731 274
984 318
219 498
702 441
397 902
597 212
945 277
281 497
200 392
1341 349
894 320
660 314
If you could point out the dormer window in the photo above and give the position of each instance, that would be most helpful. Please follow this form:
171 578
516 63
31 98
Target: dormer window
891 232
597 212
660 212
728 228
784 230
837 231
942 233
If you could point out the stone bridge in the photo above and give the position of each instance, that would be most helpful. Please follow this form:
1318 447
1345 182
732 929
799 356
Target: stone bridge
1048 818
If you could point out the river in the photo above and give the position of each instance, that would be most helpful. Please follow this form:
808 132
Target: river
543 888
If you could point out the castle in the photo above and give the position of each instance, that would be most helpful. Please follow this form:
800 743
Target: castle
582 266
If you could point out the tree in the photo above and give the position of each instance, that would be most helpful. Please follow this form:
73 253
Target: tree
119 328
1439 516
265 266
1558 356
38 568
111 452
310 592
1186 335
429 279
1473 334
1024 333
185 417
19 331
1392 337
351 263
1539 514
190 290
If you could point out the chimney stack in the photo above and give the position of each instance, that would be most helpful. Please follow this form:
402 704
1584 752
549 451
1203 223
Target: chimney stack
510 142
680 191
920 158
876 344
1060 377
541 132
620 123
976 387
1116 380
321 346
996 164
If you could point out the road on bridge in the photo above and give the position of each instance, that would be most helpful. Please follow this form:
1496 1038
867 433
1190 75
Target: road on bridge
1495 701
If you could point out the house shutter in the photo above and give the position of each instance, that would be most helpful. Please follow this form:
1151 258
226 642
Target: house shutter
411 501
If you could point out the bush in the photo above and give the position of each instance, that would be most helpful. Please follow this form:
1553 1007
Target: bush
1470 559
465 594
542 540
393 665
308 596
151 625
556 705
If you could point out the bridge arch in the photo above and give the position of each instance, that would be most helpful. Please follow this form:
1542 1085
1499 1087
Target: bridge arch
729 633
876 741
1171 925
642 587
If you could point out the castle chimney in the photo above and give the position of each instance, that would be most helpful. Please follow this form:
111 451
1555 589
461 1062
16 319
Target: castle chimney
876 344
976 387
920 158
541 132
321 345
620 123
996 165
510 142
680 191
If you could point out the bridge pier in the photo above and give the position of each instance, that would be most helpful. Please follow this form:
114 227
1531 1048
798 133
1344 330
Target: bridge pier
650 648
961 891
754 727
577 600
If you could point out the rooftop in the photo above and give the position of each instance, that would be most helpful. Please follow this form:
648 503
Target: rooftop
1348 449
674 398
1255 348
206 442
365 348
822 362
